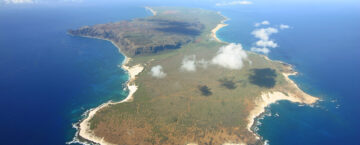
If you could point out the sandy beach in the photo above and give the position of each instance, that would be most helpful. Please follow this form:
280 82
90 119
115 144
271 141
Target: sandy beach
218 27
262 102
268 98
213 31
84 130
151 10
83 127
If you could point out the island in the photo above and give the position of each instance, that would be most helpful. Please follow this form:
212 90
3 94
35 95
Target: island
186 86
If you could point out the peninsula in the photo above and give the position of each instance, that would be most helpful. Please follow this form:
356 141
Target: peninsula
178 92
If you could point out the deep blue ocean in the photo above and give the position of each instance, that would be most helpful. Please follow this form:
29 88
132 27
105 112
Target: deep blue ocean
48 79
323 45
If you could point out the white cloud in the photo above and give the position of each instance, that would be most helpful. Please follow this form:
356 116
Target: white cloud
18 1
261 50
231 3
202 63
230 56
264 33
265 22
188 63
157 71
283 26
266 43
262 23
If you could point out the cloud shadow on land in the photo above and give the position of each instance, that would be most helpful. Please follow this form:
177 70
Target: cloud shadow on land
264 77
227 83
178 27
205 90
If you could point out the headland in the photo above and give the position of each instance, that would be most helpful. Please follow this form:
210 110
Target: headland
174 109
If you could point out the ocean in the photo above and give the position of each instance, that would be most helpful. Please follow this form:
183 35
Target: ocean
48 79
322 45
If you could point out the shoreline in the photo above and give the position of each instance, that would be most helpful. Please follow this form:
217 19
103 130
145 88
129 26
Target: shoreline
218 27
83 131
271 97
268 98
85 135
151 10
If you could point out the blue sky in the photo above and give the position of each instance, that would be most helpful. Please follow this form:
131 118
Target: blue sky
225 2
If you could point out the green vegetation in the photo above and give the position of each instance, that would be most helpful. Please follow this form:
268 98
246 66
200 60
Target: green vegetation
207 106
145 36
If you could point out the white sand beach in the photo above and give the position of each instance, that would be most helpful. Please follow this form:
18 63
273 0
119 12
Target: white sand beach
84 126
213 31
268 98
218 27
265 100
151 10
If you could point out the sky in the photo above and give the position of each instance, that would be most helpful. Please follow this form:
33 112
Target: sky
220 3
